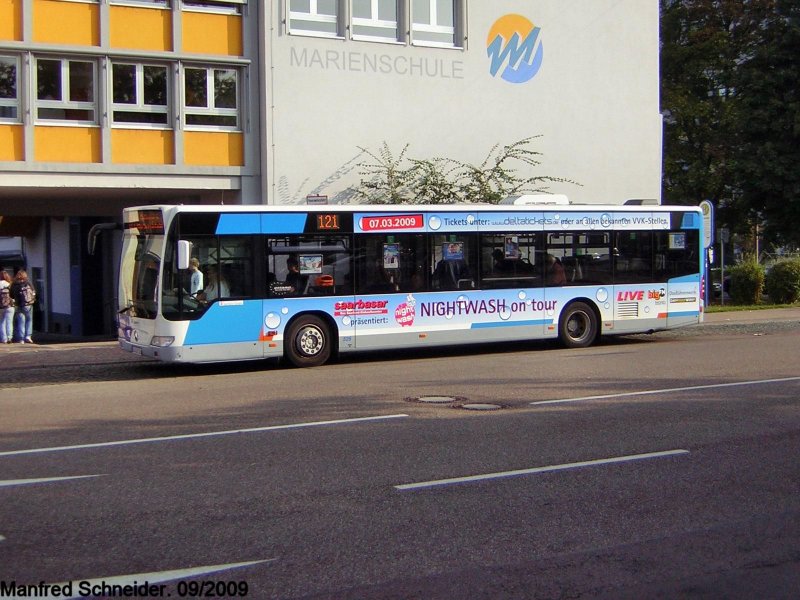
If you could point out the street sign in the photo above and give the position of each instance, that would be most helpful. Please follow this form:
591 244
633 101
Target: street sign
708 223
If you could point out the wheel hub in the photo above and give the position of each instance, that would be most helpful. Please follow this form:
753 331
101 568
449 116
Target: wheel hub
577 326
310 341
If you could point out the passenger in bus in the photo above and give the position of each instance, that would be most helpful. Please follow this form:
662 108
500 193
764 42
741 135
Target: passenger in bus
451 274
417 281
293 278
500 264
218 286
380 280
555 271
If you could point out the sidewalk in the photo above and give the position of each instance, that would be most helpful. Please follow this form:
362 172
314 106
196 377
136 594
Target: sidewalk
57 350
55 341
754 316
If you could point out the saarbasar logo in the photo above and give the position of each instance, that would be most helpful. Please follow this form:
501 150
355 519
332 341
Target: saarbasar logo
514 45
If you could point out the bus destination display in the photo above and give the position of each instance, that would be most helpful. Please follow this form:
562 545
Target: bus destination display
328 222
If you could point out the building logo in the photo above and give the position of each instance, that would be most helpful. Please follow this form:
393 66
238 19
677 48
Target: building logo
515 49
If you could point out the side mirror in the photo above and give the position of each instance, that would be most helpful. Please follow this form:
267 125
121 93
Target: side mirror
96 230
184 252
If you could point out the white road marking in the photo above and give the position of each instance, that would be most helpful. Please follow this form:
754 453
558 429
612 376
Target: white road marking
139 579
666 390
11 482
189 436
563 467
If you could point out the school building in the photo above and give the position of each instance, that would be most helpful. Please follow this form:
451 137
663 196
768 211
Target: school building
113 103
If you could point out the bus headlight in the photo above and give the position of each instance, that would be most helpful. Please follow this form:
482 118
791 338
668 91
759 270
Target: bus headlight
162 341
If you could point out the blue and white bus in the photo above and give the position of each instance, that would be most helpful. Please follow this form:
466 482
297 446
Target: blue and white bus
305 283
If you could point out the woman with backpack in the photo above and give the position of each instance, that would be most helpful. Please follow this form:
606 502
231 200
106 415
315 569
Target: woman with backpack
6 309
24 296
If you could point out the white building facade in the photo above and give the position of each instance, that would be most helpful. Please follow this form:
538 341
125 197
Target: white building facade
454 78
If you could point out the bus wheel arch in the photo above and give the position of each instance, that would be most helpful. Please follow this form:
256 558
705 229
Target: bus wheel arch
310 340
579 324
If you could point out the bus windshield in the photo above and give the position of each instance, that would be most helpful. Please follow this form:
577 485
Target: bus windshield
142 250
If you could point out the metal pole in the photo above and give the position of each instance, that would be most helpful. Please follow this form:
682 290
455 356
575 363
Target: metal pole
722 269
758 253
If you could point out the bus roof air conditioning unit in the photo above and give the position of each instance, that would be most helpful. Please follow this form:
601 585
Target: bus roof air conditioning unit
641 202
536 199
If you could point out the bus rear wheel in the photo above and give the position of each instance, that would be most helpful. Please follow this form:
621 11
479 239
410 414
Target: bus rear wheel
578 325
308 342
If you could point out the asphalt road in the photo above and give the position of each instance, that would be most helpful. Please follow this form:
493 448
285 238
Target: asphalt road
657 466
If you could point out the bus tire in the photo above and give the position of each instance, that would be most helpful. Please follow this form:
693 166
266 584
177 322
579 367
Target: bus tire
577 327
308 342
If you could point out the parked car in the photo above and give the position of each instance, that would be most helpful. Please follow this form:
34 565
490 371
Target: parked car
717 286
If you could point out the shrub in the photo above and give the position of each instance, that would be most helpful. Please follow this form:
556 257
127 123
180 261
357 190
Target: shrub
782 283
398 179
747 282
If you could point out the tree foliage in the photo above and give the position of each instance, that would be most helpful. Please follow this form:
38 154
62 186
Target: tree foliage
747 281
399 179
731 111
768 157
387 182
782 283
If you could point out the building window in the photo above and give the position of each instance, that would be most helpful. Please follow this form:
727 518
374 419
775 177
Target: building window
139 94
218 6
138 2
433 23
9 99
65 90
375 20
314 17
211 97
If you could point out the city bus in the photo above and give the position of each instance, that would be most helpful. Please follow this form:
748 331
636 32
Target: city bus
306 283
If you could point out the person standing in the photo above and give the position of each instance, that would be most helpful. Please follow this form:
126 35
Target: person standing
6 309
24 295
196 282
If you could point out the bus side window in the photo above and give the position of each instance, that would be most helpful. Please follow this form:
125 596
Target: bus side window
236 262
391 263
453 257
309 265
510 260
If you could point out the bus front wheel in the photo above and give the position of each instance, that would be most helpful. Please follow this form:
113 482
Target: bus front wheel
308 342
578 325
